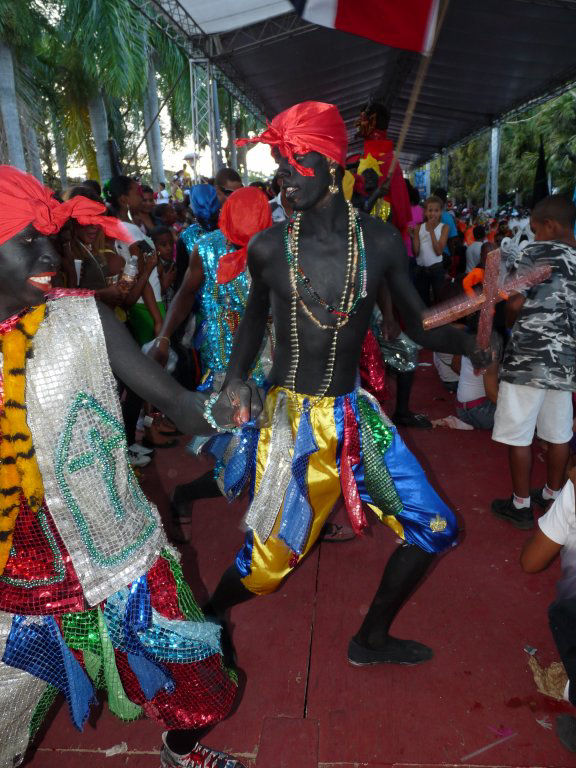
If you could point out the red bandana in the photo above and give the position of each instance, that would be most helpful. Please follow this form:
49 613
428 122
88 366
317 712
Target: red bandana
311 126
245 212
23 201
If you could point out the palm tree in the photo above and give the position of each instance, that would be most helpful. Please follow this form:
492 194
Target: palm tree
20 24
109 40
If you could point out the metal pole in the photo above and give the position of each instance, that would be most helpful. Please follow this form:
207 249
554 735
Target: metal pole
233 148
217 137
494 162
194 116
428 179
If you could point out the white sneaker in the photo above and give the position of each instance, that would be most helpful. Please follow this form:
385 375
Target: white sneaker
141 449
138 459
200 757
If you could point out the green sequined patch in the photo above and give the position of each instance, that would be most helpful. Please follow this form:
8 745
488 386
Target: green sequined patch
376 439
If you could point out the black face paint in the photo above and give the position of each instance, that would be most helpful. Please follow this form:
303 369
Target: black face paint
28 262
304 192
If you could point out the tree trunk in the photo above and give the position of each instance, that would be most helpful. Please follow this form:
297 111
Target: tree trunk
154 136
9 109
34 164
99 125
61 152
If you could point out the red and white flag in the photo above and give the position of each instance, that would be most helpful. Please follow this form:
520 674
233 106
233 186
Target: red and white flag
407 24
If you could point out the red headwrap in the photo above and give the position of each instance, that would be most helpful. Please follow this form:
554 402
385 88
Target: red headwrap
23 201
311 126
245 212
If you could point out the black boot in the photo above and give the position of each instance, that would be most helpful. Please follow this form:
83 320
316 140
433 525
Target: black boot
403 416
204 487
229 592
373 644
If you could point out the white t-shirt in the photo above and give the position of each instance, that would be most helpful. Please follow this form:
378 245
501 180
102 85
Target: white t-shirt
442 361
123 249
427 256
559 524
470 386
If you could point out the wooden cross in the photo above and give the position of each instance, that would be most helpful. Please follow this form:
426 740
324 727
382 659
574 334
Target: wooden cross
492 292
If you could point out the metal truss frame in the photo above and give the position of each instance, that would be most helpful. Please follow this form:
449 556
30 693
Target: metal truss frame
204 108
266 32
175 22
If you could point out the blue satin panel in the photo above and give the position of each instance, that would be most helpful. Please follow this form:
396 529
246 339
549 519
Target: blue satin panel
420 502
296 510
244 556
339 424
39 649
240 466
151 675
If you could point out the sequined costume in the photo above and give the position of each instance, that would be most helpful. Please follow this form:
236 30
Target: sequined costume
299 465
221 306
92 598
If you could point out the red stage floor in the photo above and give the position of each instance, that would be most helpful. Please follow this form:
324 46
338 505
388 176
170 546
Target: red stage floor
303 705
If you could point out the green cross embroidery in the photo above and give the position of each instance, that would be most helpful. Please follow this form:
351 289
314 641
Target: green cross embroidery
106 446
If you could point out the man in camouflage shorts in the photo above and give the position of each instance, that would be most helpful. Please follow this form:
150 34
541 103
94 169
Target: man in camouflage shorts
538 371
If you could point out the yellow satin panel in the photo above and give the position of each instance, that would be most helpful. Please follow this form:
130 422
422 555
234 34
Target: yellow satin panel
389 520
271 560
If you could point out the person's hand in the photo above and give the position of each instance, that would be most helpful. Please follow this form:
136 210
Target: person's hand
390 328
160 351
147 262
430 226
113 295
480 358
239 402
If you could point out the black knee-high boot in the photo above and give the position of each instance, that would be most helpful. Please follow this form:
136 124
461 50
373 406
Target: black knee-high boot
403 416
229 592
373 644
404 382
204 487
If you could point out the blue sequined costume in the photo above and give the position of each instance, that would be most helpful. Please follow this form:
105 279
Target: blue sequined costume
221 306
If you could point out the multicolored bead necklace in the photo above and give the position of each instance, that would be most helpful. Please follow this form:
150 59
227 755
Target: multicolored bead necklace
352 294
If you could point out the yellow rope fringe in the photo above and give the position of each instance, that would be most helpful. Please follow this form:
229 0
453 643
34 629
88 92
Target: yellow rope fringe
19 472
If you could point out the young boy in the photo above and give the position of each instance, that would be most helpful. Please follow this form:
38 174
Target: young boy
164 244
537 374
556 533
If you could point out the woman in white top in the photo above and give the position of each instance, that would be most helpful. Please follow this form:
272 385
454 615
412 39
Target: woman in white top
477 391
428 242
146 310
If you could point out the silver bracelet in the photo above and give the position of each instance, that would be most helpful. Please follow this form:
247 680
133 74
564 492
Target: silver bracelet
207 413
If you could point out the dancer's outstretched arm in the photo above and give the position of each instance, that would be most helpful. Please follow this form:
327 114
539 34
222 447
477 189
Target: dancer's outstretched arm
150 380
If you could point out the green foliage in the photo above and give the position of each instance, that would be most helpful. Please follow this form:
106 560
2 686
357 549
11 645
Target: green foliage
554 120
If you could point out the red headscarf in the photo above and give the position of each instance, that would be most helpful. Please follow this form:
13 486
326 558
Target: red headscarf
311 126
245 212
23 201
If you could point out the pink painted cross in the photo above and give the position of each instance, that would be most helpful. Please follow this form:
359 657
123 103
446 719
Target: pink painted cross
492 292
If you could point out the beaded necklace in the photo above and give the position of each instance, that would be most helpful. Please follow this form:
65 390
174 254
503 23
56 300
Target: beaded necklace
353 292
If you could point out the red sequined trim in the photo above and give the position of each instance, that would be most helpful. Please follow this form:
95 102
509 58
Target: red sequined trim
350 458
